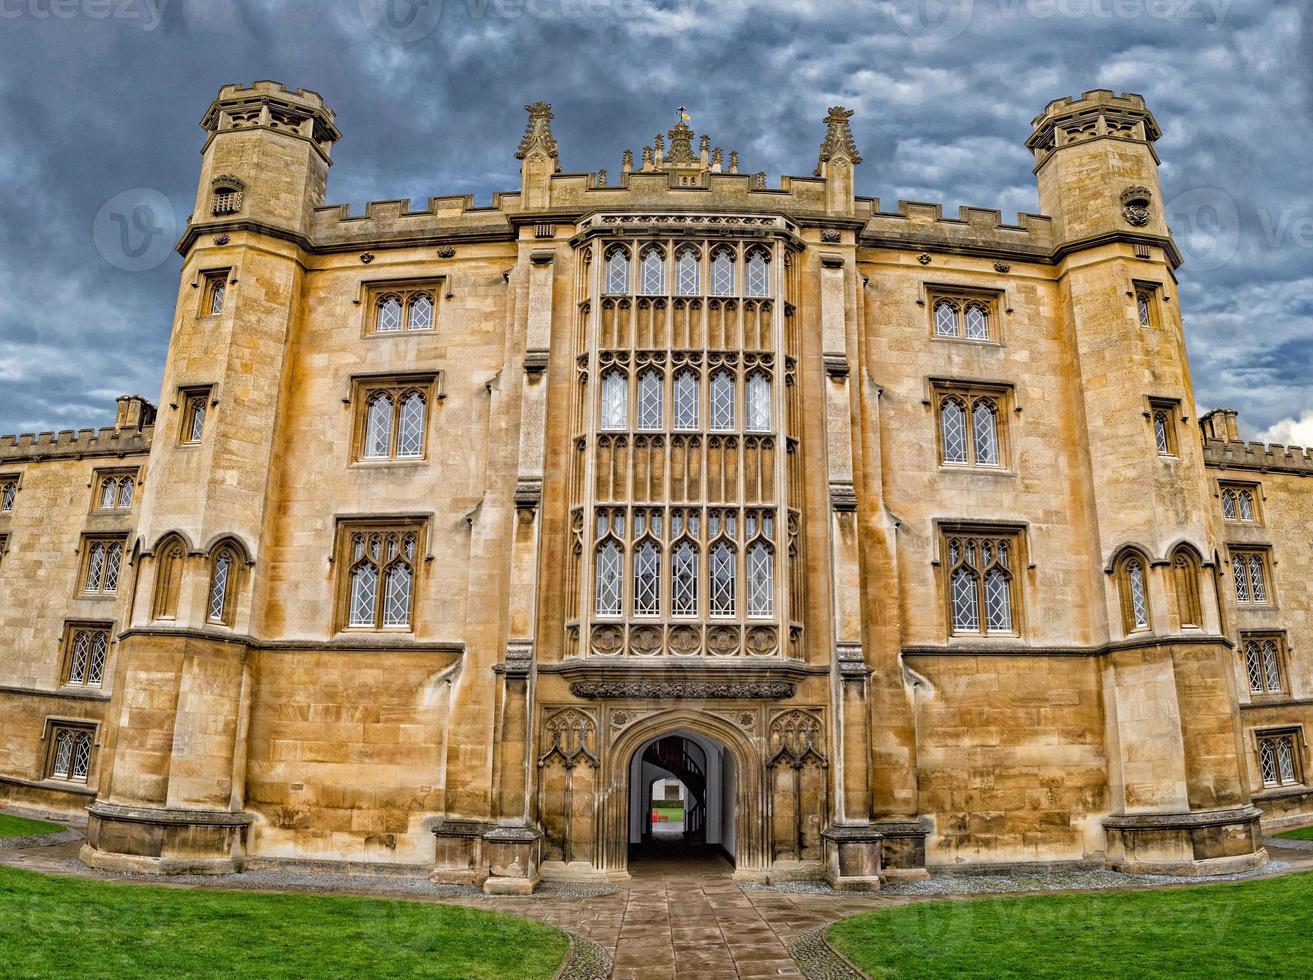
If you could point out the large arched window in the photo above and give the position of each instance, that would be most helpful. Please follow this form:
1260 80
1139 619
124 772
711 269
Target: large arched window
757 402
1133 584
617 271
686 272
381 578
378 427
223 570
982 595
650 384
722 401
723 573
610 569
757 273
169 561
652 272
722 273
686 399
953 430
1185 579
615 400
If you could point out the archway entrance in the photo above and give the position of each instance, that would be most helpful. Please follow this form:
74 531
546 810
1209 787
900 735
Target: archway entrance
683 800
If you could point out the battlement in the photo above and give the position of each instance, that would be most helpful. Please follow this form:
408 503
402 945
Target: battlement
271 106
1096 113
1261 456
32 447
974 229
265 88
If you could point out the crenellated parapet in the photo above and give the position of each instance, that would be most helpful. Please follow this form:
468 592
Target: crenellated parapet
1261 456
33 447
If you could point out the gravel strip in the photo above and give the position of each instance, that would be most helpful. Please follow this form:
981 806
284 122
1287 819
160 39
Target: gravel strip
586 960
1091 879
819 960
40 840
1293 843
353 884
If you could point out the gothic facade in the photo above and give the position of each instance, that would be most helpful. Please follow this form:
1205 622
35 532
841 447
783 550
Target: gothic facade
449 519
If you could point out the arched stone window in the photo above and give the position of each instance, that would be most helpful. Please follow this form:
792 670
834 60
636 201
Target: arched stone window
1238 504
982 595
610 569
687 273
1263 665
686 399
378 426
647 578
381 578
1185 579
953 430
168 579
652 271
761 579
615 400
977 322
722 401
945 318
984 430
722 272
757 403
410 429
388 314
617 271
757 273
223 574
723 572
684 579
1133 586
650 398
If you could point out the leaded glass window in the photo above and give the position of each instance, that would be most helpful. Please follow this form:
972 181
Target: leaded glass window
650 384
193 427
722 401
1277 759
1248 569
652 270
615 399
757 274
980 583
758 403
1142 307
977 322
109 492
610 564
378 427
684 580
647 579
389 314
686 399
410 433
945 318
953 430
420 315
1257 582
381 577
686 272
1162 433
1240 572
220 577
761 579
984 427
88 650
1139 595
1238 504
71 755
617 272
722 273
103 563
1245 501
8 491
723 572
1229 504
1263 665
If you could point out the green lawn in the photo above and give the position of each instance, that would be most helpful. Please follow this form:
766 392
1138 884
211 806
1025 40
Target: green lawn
1245 929
22 827
68 926
1303 833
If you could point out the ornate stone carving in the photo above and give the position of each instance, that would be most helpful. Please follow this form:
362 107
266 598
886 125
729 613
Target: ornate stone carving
923 258
367 257
538 133
830 235
446 251
685 641
645 641
793 738
226 191
763 641
723 641
1002 266
221 239
571 736
608 640
528 493
838 142
850 659
519 657
1135 205
843 497
682 690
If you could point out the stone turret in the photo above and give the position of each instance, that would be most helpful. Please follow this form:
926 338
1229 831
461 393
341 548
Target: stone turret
1096 166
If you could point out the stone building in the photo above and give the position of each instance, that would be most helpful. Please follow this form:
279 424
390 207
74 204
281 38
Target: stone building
893 536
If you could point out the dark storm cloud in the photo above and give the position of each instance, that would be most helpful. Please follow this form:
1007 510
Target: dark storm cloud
95 104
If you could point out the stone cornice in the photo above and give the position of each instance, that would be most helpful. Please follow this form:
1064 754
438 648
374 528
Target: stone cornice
1015 648
337 644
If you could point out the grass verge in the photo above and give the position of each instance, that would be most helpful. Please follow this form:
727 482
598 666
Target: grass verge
22 827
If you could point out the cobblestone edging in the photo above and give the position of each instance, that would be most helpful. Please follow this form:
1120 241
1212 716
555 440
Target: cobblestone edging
586 960
40 840
821 961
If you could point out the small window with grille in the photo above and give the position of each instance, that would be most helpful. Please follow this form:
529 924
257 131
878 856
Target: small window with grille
112 490
214 292
963 316
195 405
982 581
392 417
1240 503
1162 420
402 308
86 653
378 567
70 751
1280 760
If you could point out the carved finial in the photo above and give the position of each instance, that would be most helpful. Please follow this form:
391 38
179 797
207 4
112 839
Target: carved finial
681 143
733 161
538 133
704 142
838 140
601 178
647 158
717 156
759 180
627 161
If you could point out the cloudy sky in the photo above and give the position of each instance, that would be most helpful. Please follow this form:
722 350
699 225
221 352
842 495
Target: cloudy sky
100 99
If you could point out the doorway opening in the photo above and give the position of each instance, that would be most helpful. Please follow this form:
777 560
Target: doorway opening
682 799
